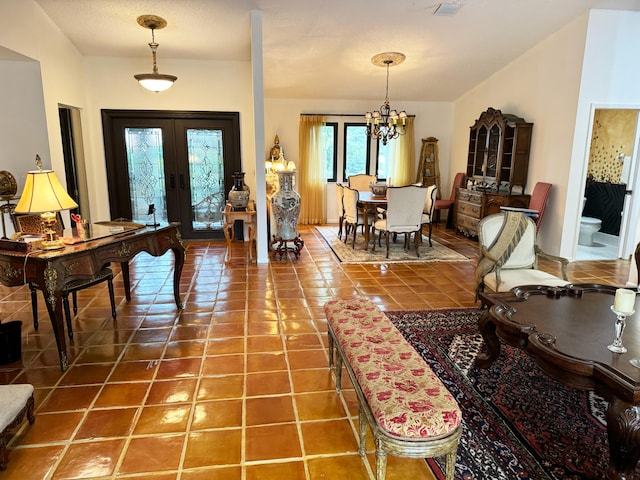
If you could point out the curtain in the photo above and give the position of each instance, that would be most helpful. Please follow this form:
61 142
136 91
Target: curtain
402 169
311 171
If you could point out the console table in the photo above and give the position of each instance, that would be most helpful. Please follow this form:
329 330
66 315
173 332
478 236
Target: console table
106 243
567 329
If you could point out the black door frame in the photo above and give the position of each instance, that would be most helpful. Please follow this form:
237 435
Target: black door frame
119 200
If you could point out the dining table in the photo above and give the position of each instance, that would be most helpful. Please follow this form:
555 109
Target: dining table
367 202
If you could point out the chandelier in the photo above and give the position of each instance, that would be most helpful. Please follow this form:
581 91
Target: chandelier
383 124
156 82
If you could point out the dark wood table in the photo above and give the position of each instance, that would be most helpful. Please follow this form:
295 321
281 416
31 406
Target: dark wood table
567 330
54 269
367 202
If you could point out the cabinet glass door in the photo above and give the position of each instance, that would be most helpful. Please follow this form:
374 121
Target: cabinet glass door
493 144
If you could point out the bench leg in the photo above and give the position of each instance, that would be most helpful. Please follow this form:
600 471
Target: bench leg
330 337
338 372
381 461
450 464
362 420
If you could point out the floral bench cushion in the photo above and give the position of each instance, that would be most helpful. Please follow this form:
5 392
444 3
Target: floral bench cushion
406 398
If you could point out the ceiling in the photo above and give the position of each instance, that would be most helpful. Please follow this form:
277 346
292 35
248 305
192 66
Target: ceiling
323 49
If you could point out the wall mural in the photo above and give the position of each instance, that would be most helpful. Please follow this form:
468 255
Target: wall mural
611 140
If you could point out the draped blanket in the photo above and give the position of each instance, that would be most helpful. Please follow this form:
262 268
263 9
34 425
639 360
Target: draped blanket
514 226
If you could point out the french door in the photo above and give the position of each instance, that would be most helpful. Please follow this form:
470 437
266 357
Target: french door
178 164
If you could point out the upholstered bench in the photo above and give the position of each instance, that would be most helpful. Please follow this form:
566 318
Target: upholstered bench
16 402
409 410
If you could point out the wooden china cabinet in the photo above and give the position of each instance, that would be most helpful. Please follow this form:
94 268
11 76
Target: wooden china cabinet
497 167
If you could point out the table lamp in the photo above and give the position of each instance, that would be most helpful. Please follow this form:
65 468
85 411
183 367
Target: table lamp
44 194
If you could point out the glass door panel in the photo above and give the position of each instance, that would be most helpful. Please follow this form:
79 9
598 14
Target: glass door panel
145 163
206 177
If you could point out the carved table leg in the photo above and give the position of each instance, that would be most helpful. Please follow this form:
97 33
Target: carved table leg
124 266
491 340
178 254
623 429
54 307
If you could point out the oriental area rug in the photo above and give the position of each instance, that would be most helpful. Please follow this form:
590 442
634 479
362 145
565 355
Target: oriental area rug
518 423
397 252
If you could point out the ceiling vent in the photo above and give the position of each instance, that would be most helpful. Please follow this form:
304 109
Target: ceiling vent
447 9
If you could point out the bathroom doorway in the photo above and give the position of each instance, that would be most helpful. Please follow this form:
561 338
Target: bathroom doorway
612 177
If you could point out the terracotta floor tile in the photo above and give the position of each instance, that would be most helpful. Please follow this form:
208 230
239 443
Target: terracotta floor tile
217 414
265 410
152 454
319 405
194 348
69 398
162 419
133 371
22 462
217 447
220 473
107 423
300 327
179 368
315 380
41 377
223 365
86 374
264 343
344 466
144 351
307 359
277 471
151 335
100 354
221 346
333 436
266 362
269 383
122 395
171 391
89 460
50 427
272 441
214 388
400 468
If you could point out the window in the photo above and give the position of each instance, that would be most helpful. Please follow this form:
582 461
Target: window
330 150
356 149
383 160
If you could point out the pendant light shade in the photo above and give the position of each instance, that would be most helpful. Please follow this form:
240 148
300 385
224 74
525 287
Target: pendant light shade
156 82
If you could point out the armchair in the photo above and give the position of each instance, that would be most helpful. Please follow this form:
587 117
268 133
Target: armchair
447 203
509 254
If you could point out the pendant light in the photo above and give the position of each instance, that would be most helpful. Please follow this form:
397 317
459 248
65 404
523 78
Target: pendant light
156 82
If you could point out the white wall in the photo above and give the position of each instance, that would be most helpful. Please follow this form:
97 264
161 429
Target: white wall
610 77
201 86
433 119
542 87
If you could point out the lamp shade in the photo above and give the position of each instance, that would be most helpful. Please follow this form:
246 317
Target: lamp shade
156 82
43 192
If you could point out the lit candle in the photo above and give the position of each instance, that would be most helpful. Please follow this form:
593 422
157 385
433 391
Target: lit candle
625 300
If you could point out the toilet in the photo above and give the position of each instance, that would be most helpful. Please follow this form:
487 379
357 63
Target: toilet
588 226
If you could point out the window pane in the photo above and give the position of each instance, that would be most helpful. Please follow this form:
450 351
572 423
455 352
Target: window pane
356 149
383 160
146 173
329 157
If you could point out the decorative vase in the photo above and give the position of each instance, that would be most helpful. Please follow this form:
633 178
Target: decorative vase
286 207
239 193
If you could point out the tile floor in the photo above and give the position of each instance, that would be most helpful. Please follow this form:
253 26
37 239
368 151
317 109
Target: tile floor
235 386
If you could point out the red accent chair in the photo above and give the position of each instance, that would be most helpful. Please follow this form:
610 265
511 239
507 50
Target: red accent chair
447 204
537 204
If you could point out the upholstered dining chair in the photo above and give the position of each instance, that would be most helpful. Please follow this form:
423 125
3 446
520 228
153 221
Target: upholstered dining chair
447 204
509 254
340 207
31 224
429 209
352 216
537 204
403 215
361 182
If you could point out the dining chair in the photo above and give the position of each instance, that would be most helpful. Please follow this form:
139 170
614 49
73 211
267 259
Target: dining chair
340 207
537 203
352 216
31 224
447 204
361 182
402 215
428 210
